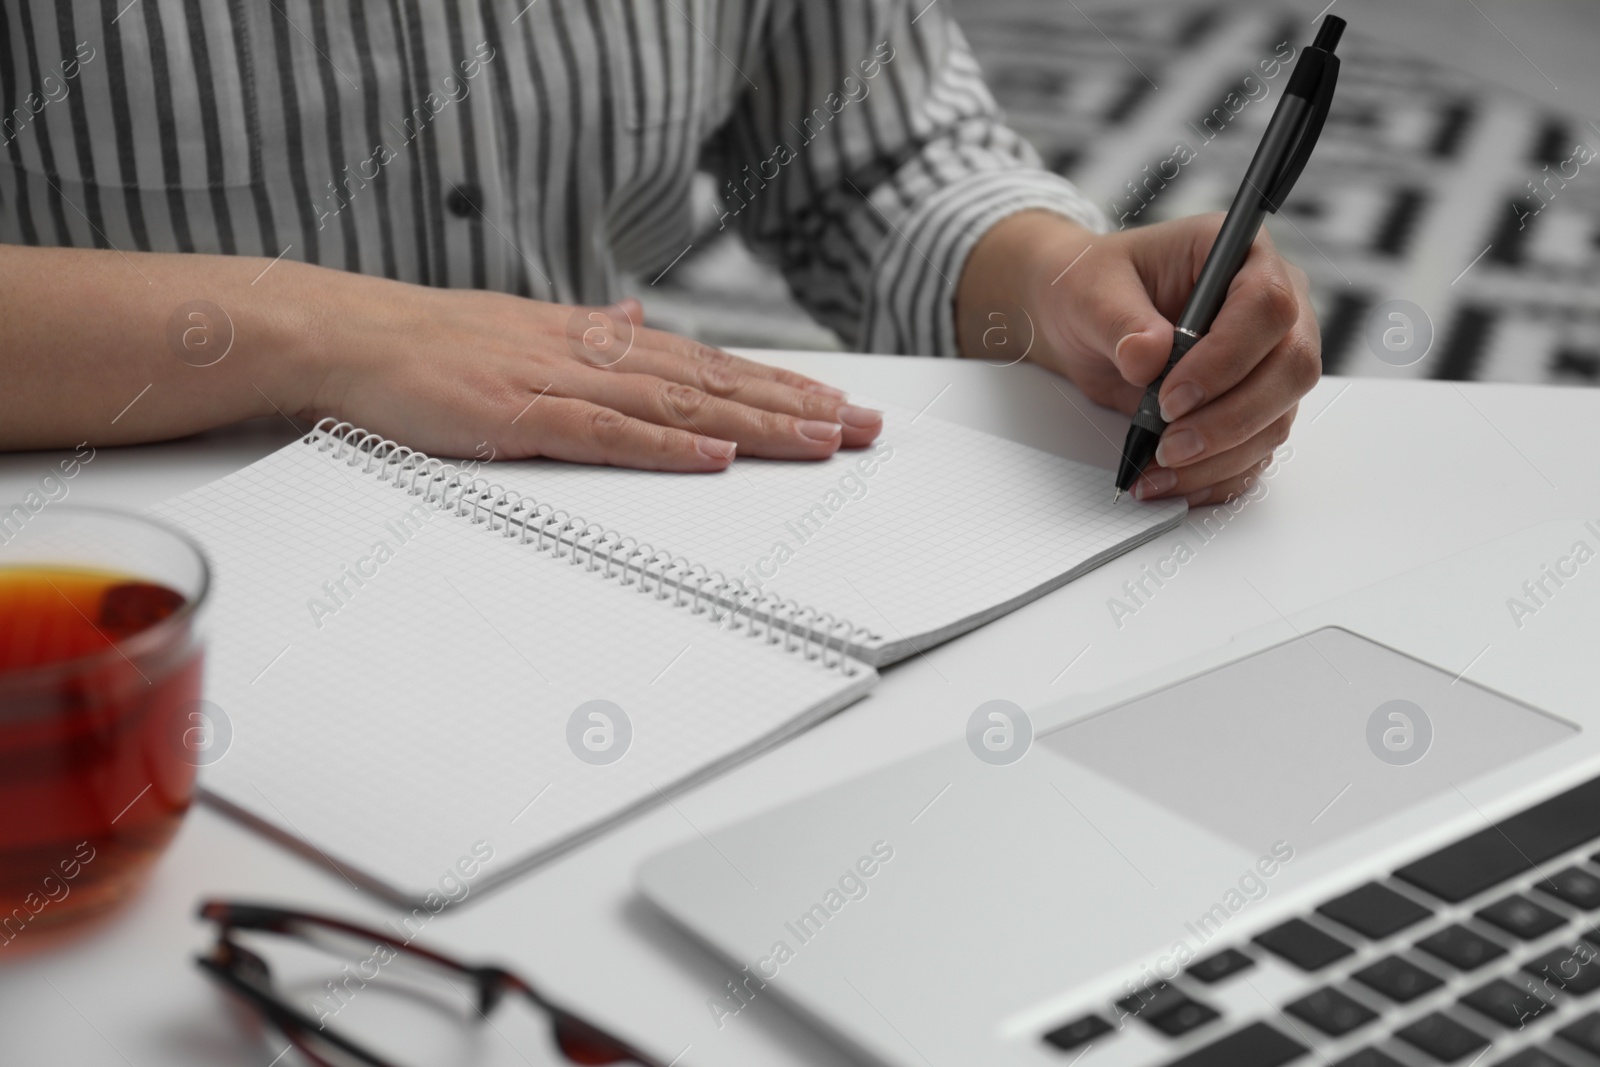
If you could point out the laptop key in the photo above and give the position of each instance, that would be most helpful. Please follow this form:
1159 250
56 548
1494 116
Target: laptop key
1585 1033
1509 1005
1521 917
1460 948
1167 1009
1078 1032
1181 1018
1257 1045
1303 945
1575 886
1369 1057
1331 1012
1213 969
1533 1057
1151 1000
1574 968
1514 845
1398 979
1442 1038
1375 911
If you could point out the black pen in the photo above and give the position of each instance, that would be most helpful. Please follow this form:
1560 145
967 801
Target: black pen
1281 156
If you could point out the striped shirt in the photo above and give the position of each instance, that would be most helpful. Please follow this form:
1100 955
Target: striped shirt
546 149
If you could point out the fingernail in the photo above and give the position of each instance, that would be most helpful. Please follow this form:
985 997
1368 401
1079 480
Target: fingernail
817 431
1182 400
712 448
825 390
1199 496
1177 447
1154 483
859 418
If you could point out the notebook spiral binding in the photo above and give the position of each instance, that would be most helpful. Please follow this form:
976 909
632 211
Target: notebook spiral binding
732 603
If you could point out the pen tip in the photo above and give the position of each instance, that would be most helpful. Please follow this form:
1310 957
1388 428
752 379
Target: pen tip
1117 497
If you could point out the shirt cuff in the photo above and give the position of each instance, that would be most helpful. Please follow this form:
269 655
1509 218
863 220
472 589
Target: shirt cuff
911 306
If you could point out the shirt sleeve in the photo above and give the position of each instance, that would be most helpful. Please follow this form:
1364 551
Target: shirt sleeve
866 157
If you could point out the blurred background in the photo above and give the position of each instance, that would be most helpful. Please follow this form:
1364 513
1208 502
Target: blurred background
1459 171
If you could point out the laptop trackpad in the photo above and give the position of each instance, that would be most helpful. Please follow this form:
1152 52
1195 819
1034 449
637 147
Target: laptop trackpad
1306 741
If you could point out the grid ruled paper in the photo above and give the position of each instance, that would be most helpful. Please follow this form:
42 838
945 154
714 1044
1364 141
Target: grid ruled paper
424 708
936 530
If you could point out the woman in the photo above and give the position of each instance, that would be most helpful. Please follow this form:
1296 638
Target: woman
409 215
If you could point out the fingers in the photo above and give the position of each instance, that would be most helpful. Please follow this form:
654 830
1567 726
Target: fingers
769 411
651 351
657 377
722 377
629 308
1229 489
581 432
860 425
808 429
1272 386
1264 303
714 371
1220 477
1114 317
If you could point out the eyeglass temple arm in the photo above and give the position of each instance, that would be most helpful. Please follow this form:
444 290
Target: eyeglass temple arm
492 982
293 1022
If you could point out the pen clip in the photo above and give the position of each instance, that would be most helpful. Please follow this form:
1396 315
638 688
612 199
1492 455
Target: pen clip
1311 128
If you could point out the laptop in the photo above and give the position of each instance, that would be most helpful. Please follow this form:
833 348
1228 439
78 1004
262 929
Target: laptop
1366 836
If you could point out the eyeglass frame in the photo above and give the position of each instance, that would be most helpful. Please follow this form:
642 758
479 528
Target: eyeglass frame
228 958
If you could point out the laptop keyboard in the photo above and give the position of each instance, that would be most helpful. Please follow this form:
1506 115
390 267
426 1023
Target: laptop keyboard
1485 952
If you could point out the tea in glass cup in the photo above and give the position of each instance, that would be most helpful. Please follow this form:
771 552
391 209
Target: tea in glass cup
101 731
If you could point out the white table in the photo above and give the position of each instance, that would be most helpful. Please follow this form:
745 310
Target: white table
1383 477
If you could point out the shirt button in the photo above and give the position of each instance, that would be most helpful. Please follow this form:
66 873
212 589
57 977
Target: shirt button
464 200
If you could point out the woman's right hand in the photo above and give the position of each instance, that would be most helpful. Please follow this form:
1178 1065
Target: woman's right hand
469 373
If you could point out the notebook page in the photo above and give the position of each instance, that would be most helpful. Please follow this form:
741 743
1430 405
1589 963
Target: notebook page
935 530
396 722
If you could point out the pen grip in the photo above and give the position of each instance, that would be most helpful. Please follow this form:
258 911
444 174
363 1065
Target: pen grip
1148 414
1181 343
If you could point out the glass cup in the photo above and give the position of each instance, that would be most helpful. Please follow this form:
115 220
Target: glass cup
101 723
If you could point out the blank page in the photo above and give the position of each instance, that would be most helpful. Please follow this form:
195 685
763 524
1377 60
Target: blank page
937 530
425 709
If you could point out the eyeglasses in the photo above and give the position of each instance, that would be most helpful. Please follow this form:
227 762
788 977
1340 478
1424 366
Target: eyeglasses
384 990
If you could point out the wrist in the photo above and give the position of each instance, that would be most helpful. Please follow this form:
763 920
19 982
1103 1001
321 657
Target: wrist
327 330
1006 281
287 355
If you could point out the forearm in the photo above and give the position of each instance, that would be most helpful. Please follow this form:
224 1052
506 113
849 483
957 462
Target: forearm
93 347
114 348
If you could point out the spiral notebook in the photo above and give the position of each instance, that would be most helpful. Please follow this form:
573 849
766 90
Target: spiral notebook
415 664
